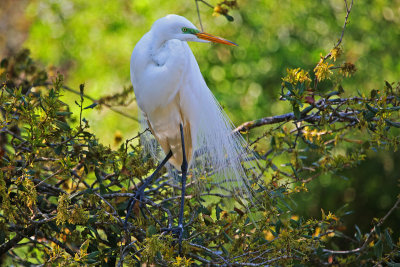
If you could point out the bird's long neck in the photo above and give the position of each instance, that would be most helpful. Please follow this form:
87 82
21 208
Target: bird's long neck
157 42
158 52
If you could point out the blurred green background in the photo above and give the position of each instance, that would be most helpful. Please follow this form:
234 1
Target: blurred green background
91 42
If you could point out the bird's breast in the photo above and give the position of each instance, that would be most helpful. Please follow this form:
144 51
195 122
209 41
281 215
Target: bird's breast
157 73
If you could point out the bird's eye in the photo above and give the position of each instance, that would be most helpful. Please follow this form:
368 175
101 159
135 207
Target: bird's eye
184 29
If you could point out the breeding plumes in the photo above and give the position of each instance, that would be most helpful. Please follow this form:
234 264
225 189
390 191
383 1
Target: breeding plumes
181 112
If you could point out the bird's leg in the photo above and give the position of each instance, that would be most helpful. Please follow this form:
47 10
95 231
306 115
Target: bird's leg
139 194
184 167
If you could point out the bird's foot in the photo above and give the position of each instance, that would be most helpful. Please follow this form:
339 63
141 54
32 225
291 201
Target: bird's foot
176 232
139 196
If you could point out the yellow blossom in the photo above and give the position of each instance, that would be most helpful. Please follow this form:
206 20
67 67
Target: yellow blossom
335 53
182 262
297 76
322 70
347 69
218 9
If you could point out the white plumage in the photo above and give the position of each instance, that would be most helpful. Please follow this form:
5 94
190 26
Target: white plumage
170 90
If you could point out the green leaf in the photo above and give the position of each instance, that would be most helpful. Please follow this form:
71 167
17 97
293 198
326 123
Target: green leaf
372 109
311 144
278 226
296 111
98 176
103 189
368 115
341 90
374 93
63 113
85 245
294 171
289 86
333 93
115 229
228 237
91 106
388 85
378 230
306 110
224 250
54 226
273 141
392 123
301 87
208 220
4 63
62 125
93 255
320 251
58 149
294 223
388 239
378 249
228 17
218 211
151 230
52 93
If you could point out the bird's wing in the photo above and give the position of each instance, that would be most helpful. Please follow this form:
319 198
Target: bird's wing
157 84
157 88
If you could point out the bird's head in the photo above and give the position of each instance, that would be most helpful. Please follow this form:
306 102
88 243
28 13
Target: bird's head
178 27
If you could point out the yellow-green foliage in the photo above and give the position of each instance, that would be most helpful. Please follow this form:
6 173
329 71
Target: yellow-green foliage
73 214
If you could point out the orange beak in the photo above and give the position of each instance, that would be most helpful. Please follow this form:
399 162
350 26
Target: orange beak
213 38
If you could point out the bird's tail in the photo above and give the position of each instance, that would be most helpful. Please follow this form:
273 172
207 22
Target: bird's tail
222 156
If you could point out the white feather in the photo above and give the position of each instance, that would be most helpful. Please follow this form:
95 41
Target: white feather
170 91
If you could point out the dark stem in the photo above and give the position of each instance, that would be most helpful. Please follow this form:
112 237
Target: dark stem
140 190
184 167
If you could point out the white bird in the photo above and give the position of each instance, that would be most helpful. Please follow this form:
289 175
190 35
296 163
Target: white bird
180 110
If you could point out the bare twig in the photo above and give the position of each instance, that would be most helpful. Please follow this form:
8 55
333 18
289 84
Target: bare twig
198 14
348 10
215 254
207 4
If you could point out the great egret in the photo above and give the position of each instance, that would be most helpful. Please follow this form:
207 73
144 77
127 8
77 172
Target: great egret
181 111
